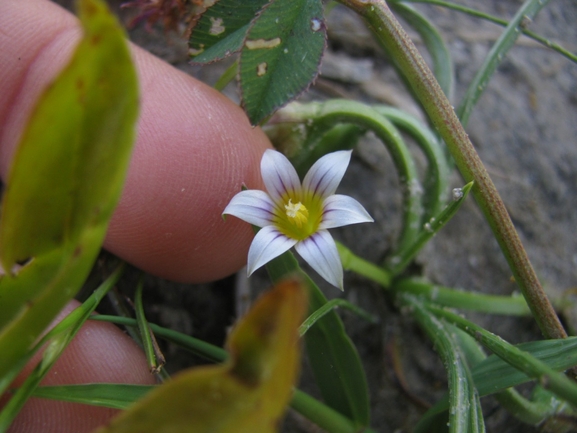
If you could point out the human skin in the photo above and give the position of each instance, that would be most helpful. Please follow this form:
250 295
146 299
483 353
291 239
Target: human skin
194 150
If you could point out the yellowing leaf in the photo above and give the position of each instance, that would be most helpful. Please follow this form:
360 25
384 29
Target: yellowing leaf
248 393
65 181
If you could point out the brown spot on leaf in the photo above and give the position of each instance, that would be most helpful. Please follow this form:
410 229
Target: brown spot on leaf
257 44
261 69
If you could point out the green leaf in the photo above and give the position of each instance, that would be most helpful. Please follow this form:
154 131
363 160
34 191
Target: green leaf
332 355
401 260
248 393
464 415
281 55
499 50
221 30
493 374
114 395
333 304
521 360
65 181
484 16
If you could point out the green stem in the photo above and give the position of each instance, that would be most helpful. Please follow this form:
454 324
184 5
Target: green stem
327 114
226 77
153 355
438 172
478 14
452 298
198 347
352 262
396 41
324 416
529 412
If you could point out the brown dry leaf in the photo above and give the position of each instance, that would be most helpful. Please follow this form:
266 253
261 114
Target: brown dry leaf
248 393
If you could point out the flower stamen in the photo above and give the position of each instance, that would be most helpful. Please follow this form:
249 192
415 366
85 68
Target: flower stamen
297 212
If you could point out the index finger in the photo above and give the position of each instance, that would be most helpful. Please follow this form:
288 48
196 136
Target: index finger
194 150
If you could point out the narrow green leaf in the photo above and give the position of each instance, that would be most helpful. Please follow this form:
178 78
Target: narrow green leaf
65 181
221 29
440 55
438 173
493 374
332 355
55 342
198 347
498 51
463 398
120 396
154 357
329 306
281 55
398 262
533 367
113 395
482 15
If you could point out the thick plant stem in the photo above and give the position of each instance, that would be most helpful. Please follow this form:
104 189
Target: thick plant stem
396 41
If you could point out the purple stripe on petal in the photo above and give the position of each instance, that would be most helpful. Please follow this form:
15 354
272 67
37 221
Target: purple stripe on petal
268 244
278 175
252 206
320 252
325 175
341 210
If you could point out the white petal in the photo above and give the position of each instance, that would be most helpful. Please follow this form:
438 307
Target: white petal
253 206
320 251
325 175
278 175
268 244
341 210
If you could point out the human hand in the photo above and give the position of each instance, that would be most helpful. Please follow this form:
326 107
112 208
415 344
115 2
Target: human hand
194 150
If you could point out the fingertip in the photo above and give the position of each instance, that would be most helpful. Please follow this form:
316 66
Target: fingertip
99 353
194 150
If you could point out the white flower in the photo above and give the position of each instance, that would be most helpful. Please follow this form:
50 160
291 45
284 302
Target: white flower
292 214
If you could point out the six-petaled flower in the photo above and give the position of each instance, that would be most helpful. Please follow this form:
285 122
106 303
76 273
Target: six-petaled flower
295 214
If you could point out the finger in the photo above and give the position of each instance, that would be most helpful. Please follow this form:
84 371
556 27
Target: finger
100 353
194 150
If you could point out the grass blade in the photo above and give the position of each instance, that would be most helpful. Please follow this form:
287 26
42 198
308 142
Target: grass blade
497 53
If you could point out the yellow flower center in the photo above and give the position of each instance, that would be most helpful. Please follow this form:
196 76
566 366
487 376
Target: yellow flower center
298 216
297 213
